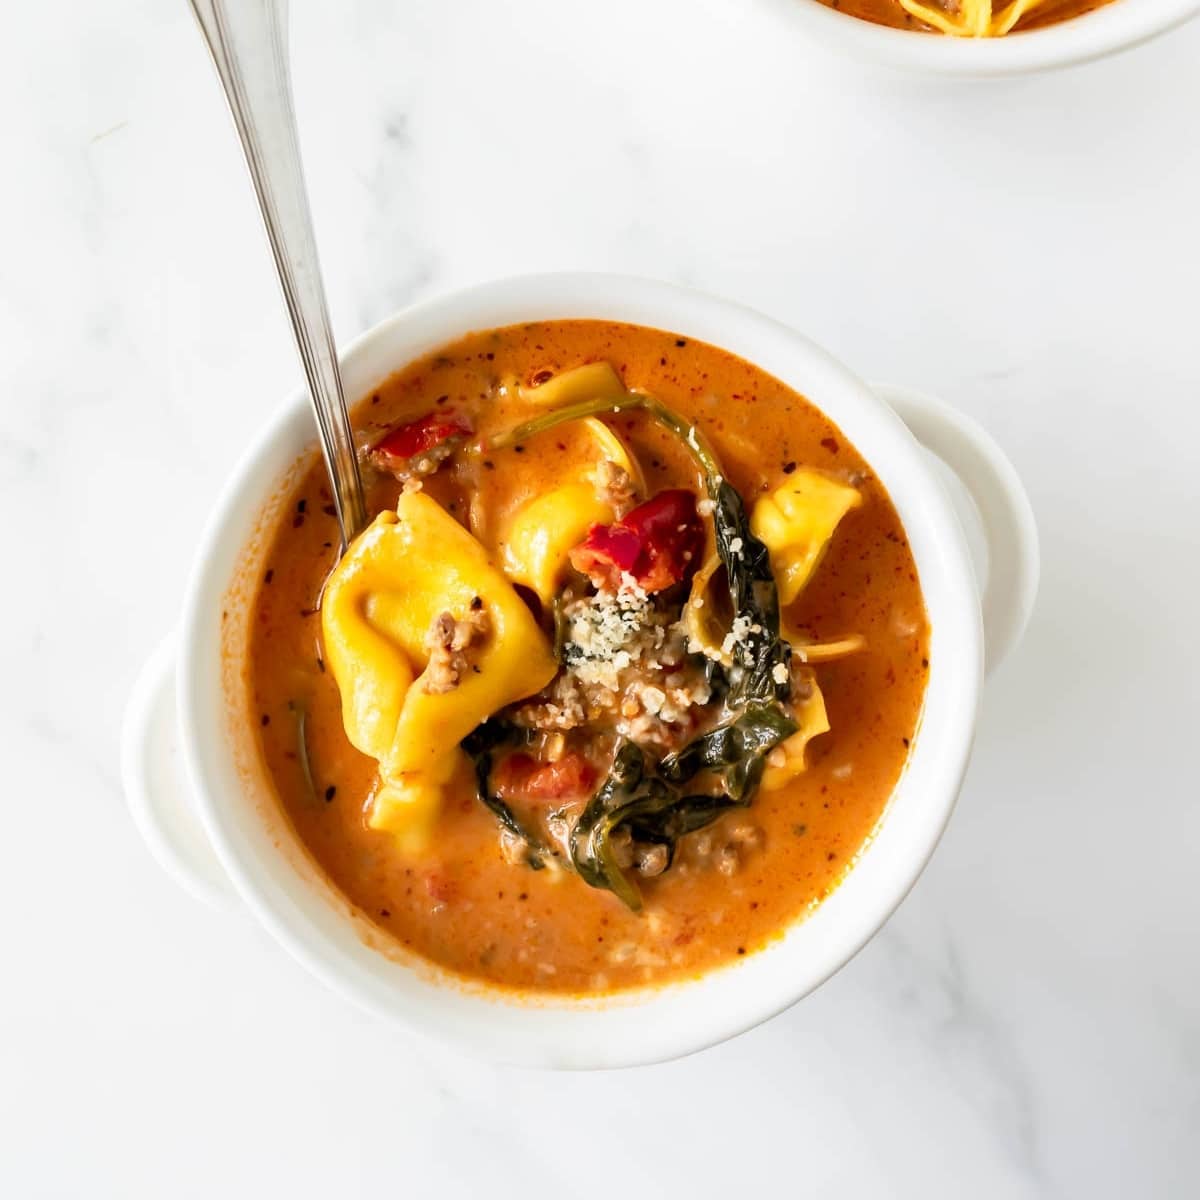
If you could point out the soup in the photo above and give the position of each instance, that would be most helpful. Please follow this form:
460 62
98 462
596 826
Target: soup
617 683
966 18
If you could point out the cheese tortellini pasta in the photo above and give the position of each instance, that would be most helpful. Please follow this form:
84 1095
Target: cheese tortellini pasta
396 581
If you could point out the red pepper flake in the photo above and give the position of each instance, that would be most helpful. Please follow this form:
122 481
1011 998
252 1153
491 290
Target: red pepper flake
659 544
830 444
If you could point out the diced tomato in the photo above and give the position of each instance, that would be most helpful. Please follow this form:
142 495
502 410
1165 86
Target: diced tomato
522 777
399 446
659 544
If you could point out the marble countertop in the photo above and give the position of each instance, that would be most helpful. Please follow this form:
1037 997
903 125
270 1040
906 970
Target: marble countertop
1028 1025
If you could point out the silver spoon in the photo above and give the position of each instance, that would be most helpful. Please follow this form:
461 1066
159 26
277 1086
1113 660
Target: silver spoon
248 42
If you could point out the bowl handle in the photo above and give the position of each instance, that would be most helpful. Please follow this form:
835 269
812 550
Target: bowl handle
1001 507
157 789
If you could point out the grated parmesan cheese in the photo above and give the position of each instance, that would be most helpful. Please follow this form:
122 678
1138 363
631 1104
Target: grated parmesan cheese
739 631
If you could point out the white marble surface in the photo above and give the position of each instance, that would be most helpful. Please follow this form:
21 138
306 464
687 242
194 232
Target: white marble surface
1029 1023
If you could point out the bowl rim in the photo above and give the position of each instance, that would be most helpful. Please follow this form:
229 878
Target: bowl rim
665 1021
1115 26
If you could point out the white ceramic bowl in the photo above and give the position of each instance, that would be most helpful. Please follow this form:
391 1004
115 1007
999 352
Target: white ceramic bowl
1116 26
217 799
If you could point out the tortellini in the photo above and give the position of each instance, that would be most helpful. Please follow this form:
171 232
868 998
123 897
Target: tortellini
796 522
405 570
595 381
808 708
536 540
541 533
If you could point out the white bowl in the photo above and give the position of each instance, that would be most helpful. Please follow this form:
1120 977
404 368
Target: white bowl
224 785
1116 26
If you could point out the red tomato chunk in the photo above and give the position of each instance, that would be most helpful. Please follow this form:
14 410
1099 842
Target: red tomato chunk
522 777
399 446
659 544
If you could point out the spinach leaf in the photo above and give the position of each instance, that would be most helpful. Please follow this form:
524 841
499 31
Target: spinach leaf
755 604
480 745
626 790
736 749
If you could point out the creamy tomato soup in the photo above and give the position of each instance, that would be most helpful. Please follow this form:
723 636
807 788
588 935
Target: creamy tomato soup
619 680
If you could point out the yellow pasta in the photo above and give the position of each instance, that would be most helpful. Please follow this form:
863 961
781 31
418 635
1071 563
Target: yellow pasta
543 531
536 540
595 381
796 522
381 602
788 759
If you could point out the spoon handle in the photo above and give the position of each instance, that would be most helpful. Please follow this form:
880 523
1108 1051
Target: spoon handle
248 42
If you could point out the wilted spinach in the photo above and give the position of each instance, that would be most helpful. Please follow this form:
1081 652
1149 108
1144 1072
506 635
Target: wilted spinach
480 746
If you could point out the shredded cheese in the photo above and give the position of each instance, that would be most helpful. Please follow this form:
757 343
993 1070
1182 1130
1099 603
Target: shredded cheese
971 18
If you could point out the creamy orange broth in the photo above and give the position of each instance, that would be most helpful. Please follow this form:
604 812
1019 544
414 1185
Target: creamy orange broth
461 904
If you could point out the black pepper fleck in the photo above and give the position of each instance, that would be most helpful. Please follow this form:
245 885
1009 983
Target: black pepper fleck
330 792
